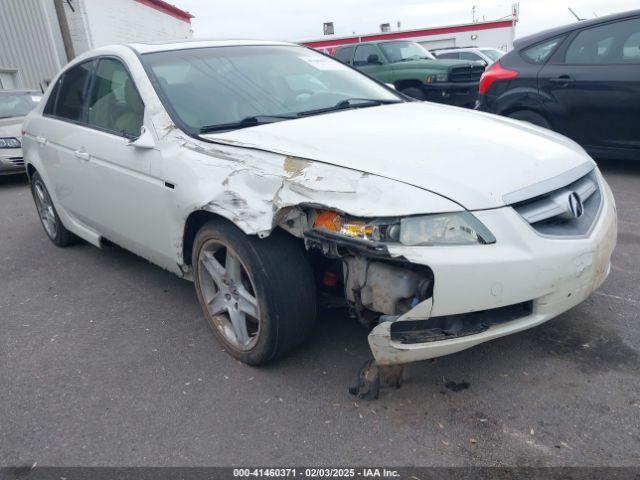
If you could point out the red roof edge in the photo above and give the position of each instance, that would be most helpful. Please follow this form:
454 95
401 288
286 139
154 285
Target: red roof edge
167 8
336 41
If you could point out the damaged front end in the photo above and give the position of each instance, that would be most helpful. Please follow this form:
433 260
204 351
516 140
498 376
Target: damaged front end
389 293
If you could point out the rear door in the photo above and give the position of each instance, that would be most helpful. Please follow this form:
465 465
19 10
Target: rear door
59 134
593 87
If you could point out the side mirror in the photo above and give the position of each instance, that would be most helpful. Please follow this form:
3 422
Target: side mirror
374 59
145 140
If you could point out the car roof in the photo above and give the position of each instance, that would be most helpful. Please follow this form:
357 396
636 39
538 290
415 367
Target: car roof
149 47
20 92
553 32
376 42
459 49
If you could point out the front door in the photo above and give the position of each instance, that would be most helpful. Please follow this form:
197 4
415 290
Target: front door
369 59
593 86
128 203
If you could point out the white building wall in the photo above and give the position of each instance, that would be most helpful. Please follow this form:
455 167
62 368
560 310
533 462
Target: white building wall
500 38
31 48
96 23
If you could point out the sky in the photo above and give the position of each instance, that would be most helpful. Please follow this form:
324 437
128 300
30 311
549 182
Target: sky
295 20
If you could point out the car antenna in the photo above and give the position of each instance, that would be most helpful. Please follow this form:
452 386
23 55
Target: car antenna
575 15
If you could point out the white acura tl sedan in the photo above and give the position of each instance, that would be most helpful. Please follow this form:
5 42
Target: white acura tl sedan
271 175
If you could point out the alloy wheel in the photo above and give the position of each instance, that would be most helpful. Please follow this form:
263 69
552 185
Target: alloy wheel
45 209
229 294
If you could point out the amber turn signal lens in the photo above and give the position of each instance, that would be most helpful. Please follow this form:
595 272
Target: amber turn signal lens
328 220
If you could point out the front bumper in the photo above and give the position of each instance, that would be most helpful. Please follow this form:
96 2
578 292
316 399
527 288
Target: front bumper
460 94
11 161
549 275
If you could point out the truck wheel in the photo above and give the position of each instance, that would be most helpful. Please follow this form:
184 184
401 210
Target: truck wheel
258 295
49 218
414 92
531 117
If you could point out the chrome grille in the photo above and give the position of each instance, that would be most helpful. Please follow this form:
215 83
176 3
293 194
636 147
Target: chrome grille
556 213
465 73
16 161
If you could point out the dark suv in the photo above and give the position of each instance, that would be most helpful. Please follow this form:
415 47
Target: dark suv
414 71
581 80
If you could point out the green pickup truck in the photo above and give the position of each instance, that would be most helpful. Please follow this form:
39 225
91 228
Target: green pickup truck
414 71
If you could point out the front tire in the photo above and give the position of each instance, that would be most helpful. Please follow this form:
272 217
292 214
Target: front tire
414 92
258 295
49 218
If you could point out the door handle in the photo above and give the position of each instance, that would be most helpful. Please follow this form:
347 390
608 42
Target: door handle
82 154
562 80
41 140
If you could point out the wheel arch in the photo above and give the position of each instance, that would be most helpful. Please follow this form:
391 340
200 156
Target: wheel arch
31 170
196 219
193 223
538 111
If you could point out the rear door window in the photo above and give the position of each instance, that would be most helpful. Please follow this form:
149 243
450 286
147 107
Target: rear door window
608 44
449 56
631 48
71 93
474 57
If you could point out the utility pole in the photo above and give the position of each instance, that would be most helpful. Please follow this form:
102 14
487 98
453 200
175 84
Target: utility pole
64 29
473 13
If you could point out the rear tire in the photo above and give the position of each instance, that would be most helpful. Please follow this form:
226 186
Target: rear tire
258 295
49 217
414 92
531 117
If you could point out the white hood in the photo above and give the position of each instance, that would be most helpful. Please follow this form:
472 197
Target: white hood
11 127
469 157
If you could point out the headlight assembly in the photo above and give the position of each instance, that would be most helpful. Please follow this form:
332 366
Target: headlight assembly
460 228
9 142
440 77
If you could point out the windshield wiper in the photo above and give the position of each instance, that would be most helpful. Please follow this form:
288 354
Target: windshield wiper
251 121
349 103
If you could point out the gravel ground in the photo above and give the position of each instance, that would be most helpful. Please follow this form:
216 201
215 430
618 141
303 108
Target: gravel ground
106 359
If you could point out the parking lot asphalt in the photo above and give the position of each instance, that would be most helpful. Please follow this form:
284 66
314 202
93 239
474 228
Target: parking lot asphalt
106 359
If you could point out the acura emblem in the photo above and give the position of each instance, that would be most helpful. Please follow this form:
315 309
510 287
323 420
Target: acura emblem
576 208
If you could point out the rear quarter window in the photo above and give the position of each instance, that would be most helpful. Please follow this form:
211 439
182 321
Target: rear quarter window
541 52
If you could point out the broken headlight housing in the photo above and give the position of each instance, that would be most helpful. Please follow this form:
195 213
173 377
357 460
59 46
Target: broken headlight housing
458 228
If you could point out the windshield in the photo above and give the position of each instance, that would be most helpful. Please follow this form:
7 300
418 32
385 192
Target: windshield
249 85
17 104
492 54
403 51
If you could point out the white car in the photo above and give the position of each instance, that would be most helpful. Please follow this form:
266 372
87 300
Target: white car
266 171
14 106
485 55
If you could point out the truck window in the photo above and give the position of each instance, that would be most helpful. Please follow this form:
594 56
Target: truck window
345 54
363 52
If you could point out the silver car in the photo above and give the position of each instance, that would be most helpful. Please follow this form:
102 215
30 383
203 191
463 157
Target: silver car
14 106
